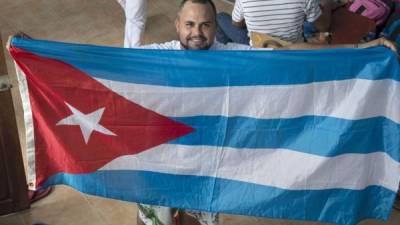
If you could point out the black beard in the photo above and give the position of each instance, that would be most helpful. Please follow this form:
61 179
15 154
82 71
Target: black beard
187 47
189 38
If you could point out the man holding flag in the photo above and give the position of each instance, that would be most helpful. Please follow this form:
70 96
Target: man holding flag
196 28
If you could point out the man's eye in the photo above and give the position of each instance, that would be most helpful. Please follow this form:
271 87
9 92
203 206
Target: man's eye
206 25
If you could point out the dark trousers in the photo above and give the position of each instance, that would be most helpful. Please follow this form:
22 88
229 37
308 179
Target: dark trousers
227 32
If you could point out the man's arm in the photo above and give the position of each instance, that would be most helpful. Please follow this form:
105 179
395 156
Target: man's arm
237 15
307 46
323 22
241 24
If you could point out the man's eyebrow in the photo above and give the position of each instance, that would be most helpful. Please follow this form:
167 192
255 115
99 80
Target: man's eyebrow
209 21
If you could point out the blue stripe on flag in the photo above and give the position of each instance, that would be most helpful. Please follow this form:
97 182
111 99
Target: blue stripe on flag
194 192
202 68
324 136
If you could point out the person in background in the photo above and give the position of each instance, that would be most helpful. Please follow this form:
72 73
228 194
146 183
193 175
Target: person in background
135 13
282 19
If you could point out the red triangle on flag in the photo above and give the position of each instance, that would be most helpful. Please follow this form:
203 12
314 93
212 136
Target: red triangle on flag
56 89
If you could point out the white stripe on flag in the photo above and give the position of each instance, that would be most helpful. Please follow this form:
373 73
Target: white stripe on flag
279 168
347 99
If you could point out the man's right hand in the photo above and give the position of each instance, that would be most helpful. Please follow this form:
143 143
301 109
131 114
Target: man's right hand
20 34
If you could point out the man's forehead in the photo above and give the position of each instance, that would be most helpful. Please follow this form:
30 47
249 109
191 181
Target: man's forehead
194 8
198 22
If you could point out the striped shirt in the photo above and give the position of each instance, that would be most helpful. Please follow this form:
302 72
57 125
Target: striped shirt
280 18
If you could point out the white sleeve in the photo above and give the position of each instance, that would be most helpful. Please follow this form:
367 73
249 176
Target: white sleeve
237 13
312 10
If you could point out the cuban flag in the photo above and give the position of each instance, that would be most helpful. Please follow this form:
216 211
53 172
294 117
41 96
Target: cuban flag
300 135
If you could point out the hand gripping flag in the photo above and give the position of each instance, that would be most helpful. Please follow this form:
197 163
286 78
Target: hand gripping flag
303 135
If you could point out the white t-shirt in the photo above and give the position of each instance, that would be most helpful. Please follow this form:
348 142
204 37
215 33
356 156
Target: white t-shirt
280 18
176 45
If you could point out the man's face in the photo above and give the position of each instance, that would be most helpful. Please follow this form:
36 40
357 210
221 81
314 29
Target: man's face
196 26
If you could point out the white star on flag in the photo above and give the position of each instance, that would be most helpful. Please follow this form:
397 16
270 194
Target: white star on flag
87 122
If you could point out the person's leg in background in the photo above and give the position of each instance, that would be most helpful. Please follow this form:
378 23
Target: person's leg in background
227 32
135 13
155 215
309 30
191 217
159 215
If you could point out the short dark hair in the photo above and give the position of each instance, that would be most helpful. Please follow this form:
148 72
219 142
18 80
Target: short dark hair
200 2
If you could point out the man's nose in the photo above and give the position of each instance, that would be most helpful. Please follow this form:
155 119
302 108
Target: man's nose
197 30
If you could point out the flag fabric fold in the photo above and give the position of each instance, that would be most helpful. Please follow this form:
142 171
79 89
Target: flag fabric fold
302 135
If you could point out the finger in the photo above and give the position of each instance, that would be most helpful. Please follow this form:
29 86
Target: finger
21 34
390 45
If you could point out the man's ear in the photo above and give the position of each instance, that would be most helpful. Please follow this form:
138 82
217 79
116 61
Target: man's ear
177 25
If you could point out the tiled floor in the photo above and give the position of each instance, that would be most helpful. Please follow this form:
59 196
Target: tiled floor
65 206
97 22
